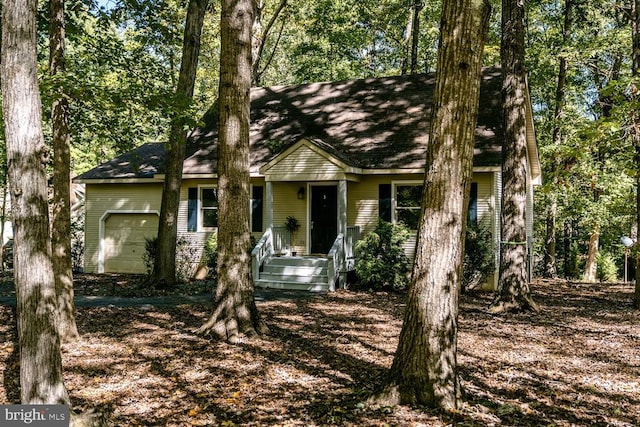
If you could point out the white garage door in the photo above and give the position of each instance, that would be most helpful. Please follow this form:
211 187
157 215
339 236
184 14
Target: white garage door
124 241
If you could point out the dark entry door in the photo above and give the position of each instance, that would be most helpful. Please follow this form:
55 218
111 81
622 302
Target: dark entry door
324 217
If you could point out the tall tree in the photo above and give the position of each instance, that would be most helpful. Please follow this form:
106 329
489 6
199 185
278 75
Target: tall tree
415 34
235 312
260 36
635 134
165 262
41 378
424 370
513 285
61 205
606 104
549 263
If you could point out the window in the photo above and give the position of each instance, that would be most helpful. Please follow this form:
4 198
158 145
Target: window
408 200
209 207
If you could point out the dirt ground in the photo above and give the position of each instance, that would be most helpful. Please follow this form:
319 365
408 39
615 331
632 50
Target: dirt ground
577 363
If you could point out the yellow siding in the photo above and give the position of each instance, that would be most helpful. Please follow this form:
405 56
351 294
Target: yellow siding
305 164
362 202
115 198
286 203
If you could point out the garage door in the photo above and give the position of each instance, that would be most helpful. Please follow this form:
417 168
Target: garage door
124 240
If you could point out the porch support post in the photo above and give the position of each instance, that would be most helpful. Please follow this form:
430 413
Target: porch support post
342 207
269 204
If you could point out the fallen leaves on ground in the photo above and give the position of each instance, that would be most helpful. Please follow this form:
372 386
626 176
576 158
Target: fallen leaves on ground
576 363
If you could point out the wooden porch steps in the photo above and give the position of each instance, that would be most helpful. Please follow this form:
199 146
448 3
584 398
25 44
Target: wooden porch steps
303 273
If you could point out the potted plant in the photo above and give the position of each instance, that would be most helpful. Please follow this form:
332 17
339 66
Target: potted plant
293 225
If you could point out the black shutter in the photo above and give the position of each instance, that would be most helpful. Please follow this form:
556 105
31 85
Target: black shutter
192 207
256 208
472 213
384 202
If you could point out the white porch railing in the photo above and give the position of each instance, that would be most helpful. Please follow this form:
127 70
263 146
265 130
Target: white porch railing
340 259
350 240
262 250
281 239
336 262
275 240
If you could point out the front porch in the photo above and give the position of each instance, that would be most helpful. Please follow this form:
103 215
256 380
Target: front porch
274 267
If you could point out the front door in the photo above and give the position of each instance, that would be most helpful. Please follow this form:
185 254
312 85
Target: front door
324 217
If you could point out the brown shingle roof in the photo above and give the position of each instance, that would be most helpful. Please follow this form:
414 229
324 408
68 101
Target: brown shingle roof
377 123
142 162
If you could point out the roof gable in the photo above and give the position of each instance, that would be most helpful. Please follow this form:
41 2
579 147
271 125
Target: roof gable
306 161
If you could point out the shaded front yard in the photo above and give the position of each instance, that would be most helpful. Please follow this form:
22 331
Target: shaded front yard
575 364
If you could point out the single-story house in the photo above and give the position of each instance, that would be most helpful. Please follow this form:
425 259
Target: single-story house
337 156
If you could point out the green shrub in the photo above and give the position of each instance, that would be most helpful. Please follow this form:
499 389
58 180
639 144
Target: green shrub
479 258
210 257
606 267
77 243
149 257
381 260
186 257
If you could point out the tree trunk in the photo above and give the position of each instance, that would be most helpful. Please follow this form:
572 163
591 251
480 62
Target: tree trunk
3 218
260 37
164 271
513 286
568 266
424 370
549 261
550 269
235 312
591 266
408 33
635 26
40 360
61 206
415 34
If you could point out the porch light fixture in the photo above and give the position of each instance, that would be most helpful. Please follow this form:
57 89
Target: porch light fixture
301 193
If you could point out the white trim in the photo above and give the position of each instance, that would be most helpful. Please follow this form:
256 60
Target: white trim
348 175
396 171
191 176
269 205
117 181
400 171
101 229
